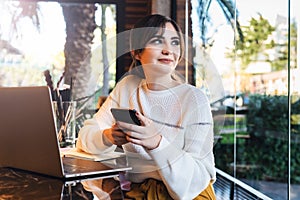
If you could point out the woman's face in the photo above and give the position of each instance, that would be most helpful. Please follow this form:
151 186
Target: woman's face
162 52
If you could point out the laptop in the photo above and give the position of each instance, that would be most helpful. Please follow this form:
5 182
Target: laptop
28 137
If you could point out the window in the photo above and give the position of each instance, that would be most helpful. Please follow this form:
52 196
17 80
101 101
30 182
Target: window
257 140
70 42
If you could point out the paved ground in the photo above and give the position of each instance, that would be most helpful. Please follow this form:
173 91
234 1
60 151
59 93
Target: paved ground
274 190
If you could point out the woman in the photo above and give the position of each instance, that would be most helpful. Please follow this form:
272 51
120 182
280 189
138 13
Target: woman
172 151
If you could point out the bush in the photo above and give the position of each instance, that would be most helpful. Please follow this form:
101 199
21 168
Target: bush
264 155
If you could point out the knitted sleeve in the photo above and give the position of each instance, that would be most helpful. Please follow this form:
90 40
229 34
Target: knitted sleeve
187 170
90 137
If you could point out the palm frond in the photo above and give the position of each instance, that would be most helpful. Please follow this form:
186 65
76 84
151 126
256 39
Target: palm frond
231 15
26 9
204 18
229 11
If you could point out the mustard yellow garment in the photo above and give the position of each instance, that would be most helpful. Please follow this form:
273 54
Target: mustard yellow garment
155 190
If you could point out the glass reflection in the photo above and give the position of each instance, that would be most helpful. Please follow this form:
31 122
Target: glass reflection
98 188
258 74
63 40
294 100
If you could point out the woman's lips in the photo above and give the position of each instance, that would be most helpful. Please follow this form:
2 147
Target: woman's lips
165 60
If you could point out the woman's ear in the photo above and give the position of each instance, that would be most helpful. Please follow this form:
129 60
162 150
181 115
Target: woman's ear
135 56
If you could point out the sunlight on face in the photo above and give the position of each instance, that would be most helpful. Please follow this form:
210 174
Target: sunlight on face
162 52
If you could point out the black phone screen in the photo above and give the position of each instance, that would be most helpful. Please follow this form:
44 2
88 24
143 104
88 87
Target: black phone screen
125 115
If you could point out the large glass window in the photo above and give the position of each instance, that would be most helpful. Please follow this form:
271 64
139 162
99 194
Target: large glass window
62 44
257 140
294 70
251 56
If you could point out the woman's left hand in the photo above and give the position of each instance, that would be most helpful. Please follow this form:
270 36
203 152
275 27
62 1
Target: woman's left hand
146 135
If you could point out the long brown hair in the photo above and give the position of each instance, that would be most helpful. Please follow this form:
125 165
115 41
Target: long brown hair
145 29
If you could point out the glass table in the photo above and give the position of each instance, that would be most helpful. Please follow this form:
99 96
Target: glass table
18 184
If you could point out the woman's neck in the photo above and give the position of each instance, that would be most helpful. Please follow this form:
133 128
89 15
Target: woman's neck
161 84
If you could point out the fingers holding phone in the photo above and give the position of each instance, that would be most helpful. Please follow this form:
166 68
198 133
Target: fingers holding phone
115 135
144 121
145 134
126 115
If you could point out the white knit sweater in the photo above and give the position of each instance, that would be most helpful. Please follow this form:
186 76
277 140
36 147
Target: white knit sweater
184 159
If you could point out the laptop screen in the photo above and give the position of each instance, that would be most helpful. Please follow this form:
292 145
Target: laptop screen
28 133
28 138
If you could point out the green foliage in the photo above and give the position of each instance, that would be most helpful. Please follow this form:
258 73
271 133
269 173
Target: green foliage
224 154
269 141
255 42
281 61
264 156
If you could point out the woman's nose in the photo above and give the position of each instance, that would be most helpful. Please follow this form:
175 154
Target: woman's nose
166 51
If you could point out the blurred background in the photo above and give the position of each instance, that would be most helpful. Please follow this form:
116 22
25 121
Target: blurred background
243 54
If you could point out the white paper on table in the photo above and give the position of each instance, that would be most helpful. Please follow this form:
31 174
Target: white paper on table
75 153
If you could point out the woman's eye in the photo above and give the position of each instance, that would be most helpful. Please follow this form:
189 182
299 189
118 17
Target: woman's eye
175 42
156 41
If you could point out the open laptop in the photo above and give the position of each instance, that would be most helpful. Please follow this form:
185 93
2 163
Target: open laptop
28 137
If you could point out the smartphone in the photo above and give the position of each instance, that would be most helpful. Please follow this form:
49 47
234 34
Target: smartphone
125 115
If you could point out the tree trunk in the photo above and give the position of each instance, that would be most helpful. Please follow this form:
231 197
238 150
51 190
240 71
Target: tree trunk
105 88
80 26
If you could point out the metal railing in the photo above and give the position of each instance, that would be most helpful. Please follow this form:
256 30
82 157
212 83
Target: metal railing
229 188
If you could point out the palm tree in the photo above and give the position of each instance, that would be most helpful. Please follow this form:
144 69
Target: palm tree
80 26
105 88
229 11
208 75
30 10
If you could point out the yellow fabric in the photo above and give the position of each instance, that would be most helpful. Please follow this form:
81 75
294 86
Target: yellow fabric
152 189
208 193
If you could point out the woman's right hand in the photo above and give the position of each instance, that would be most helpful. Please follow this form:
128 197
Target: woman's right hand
115 135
